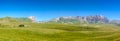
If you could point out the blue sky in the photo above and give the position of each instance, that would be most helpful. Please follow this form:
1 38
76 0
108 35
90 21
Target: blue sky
47 9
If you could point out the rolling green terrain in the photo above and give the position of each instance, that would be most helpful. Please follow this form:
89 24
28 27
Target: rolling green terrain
10 31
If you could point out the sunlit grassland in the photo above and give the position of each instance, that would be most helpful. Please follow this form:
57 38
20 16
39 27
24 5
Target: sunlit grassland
59 32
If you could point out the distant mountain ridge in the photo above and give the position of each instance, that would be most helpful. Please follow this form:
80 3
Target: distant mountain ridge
115 21
13 19
84 19
94 19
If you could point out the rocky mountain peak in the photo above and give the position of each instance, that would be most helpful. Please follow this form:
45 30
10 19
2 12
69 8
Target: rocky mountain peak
83 19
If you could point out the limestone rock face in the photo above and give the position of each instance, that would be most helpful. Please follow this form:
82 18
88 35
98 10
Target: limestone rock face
82 19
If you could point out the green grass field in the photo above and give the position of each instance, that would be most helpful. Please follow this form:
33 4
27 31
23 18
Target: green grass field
59 32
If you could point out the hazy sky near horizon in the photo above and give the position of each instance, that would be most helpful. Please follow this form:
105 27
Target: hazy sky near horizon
47 9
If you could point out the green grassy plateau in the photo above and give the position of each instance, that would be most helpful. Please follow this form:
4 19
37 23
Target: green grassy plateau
58 32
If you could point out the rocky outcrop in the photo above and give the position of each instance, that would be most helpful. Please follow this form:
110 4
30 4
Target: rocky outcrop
81 19
97 19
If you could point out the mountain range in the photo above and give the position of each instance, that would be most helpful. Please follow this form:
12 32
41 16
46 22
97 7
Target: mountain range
84 19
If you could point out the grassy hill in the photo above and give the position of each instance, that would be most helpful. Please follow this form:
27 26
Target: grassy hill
10 31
